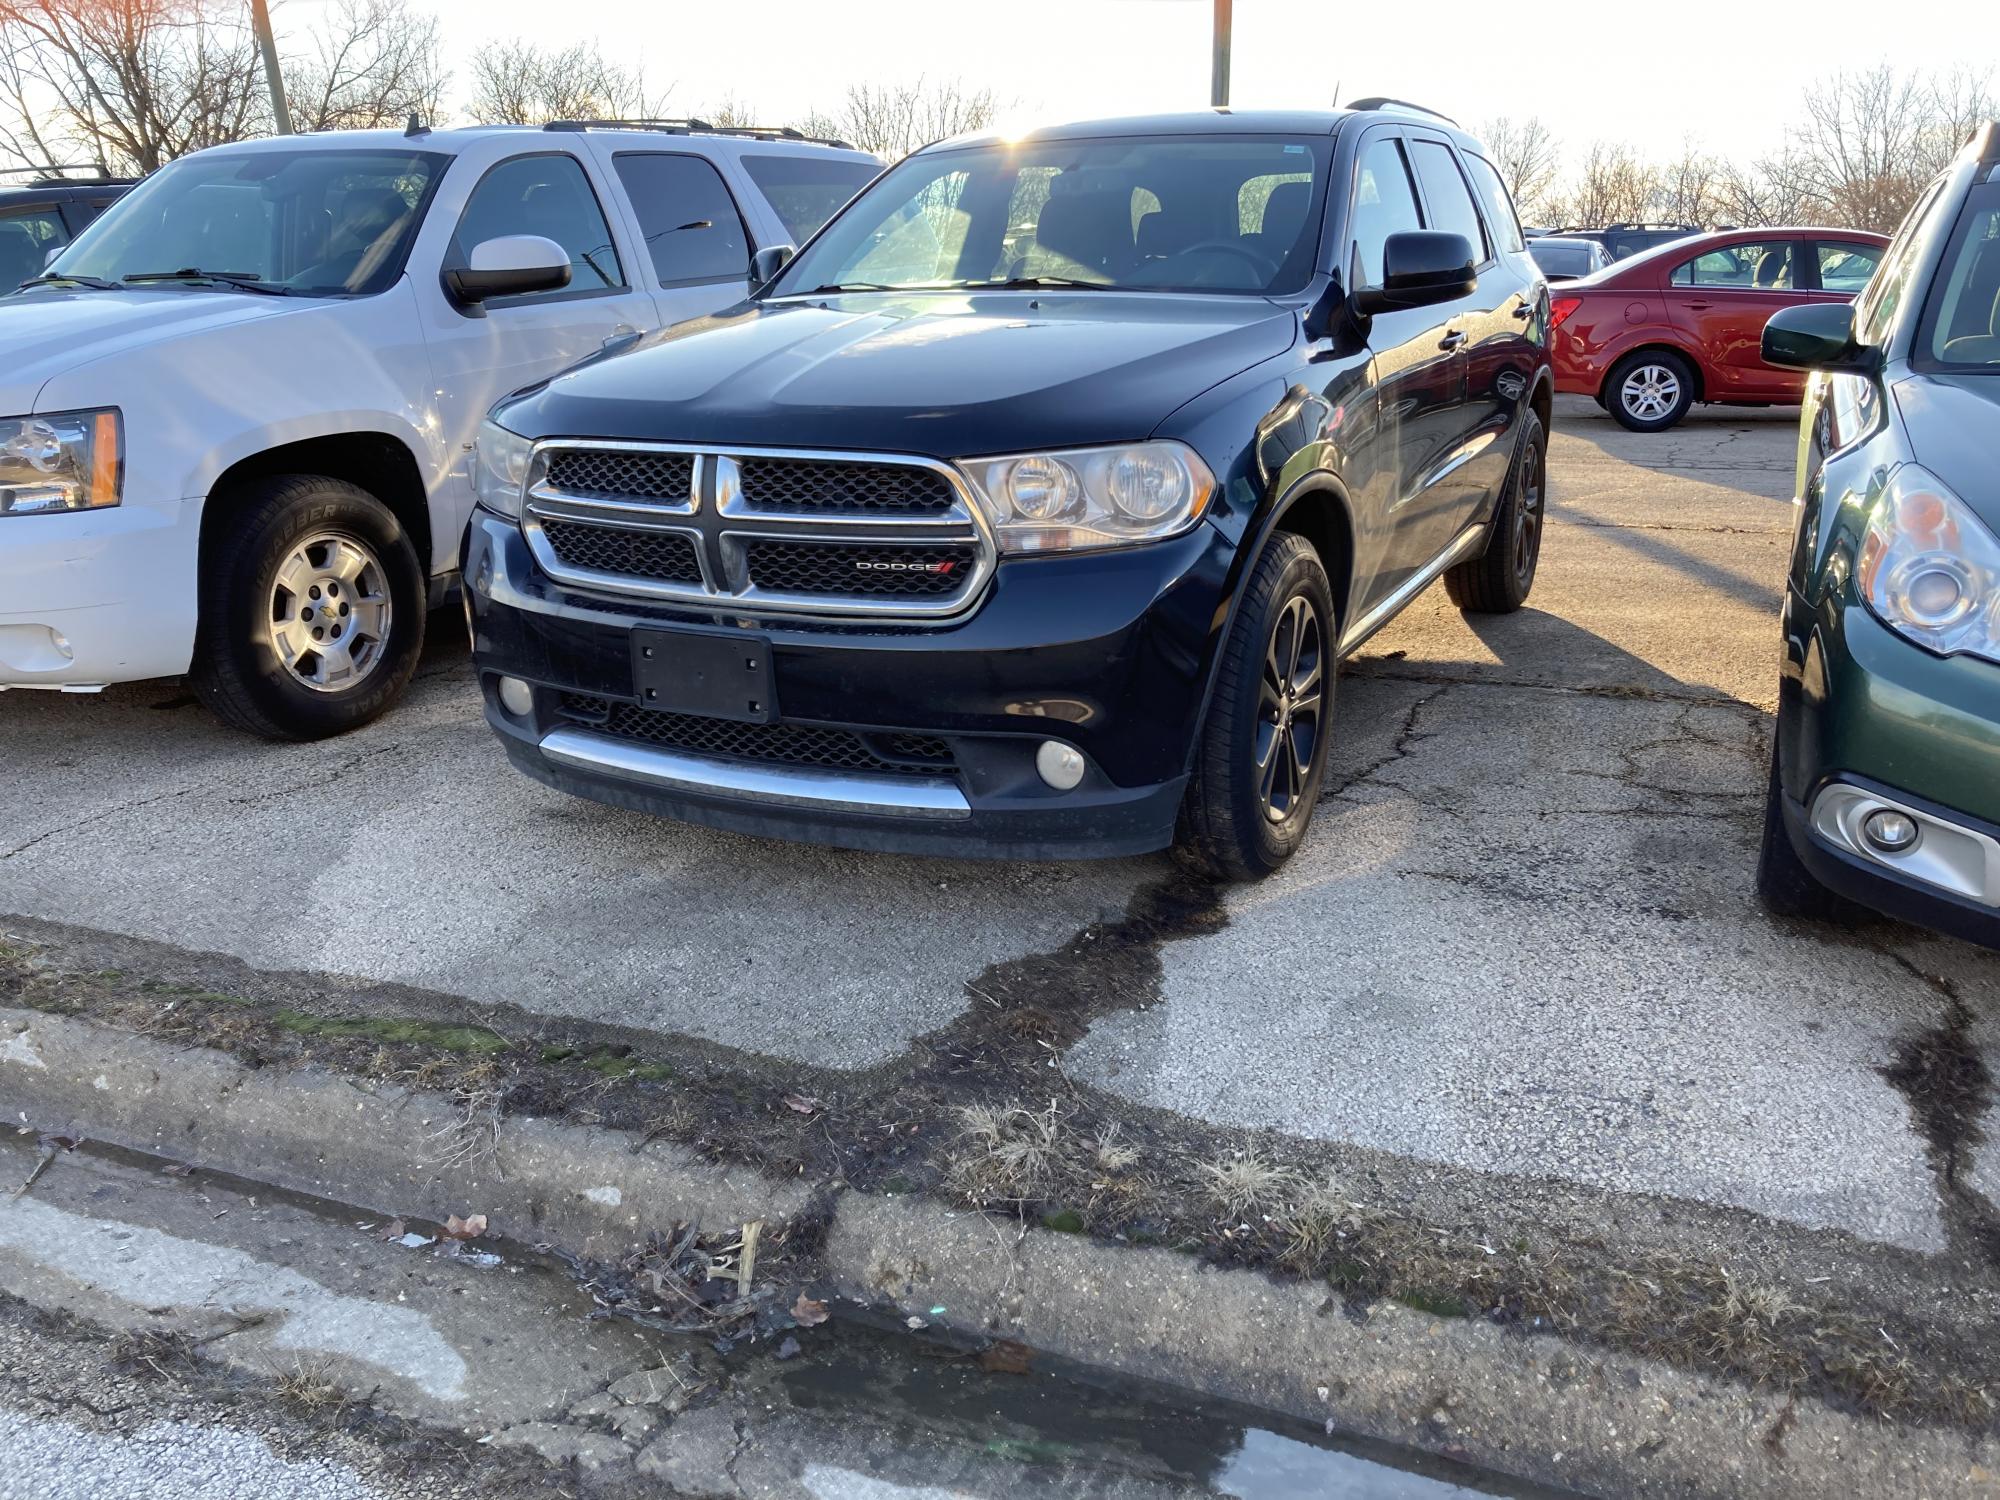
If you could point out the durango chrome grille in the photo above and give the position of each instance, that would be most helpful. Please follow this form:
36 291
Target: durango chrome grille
667 556
810 486
767 531
627 476
867 568
782 744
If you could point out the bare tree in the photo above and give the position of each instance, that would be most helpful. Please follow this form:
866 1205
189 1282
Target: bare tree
131 83
1613 186
1688 189
1863 146
893 119
374 64
519 83
1525 152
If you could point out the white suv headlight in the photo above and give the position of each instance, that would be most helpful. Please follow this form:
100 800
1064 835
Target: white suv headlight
1091 497
1929 570
61 462
500 467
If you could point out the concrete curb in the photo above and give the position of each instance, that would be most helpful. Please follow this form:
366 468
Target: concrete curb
1535 1406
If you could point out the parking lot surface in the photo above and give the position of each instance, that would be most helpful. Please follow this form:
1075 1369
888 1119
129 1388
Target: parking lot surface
1522 943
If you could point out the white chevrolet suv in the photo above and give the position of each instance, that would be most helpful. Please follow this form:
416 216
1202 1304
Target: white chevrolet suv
237 414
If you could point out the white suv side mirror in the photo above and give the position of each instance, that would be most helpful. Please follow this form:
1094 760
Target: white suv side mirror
511 265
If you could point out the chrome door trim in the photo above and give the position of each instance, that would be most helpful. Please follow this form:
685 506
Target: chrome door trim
1464 545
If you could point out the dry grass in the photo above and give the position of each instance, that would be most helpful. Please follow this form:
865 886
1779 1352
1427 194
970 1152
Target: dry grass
469 1136
1243 1184
309 1390
1010 1156
146 1351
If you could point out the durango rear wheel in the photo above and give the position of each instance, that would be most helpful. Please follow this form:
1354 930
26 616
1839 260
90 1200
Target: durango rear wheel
1497 581
1263 746
312 611
1650 391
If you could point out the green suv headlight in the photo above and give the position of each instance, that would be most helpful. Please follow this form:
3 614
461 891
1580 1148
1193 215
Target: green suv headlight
1930 570
500 467
61 462
1091 497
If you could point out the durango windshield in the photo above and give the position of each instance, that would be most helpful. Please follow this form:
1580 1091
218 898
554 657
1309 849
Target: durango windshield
1148 213
308 223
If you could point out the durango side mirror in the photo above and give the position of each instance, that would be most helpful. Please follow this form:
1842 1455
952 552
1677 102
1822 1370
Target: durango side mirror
1420 268
1816 336
510 266
768 262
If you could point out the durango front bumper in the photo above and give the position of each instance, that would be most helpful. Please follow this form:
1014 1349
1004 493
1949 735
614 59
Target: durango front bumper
99 596
887 735
1870 723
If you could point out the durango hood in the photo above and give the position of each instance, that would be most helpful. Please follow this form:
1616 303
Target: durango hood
1951 420
44 334
949 375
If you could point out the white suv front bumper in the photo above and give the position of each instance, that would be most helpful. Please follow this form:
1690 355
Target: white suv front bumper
98 597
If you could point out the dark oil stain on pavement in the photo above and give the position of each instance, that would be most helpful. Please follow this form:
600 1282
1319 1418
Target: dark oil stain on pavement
1048 1000
1950 1090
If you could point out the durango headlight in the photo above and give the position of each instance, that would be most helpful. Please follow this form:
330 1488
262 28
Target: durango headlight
500 467
1091 497
1929 570
64 461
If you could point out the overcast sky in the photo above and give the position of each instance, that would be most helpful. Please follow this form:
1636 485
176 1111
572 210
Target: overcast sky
1725 74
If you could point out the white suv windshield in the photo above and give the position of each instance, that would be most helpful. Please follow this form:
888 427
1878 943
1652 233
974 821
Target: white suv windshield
1150 213
309 223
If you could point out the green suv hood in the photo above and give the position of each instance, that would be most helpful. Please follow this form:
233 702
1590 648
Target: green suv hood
1953 422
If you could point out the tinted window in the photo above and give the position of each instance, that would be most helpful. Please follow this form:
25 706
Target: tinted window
320 222
26 238
1964 327
1500 215
1084 211
1877 309
1770 266
686 217
1384 204
551 197
806 191
1564 260
1449 198
1846 268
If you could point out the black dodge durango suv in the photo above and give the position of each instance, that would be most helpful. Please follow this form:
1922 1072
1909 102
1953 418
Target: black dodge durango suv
1031 507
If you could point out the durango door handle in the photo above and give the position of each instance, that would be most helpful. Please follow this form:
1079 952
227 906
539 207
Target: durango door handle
1452 340
1524 311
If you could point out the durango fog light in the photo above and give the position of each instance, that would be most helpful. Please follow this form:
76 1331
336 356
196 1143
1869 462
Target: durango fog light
1890 831
517 697
1059 765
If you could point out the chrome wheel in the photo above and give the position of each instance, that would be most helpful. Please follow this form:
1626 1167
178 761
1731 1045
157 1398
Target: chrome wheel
1528 514
330 613
1650 392
1288 708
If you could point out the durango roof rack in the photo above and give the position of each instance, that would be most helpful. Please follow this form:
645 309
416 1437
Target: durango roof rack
702 127
1382 101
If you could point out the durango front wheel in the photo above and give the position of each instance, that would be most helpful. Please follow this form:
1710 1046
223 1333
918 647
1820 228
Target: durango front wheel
1263 746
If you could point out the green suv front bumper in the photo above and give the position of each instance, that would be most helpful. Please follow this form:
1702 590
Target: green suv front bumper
1867 720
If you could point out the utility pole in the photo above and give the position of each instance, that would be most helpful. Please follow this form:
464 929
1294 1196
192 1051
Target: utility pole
1218 88
281 114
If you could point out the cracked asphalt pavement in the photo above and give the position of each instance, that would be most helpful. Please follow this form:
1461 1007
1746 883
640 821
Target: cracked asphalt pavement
1522 943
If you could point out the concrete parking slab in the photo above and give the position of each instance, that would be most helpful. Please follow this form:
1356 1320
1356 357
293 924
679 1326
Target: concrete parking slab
1522 942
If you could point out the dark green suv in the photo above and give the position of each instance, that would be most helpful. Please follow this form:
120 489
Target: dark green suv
1885 781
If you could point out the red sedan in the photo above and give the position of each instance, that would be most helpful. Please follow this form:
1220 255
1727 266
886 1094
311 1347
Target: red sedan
1683 323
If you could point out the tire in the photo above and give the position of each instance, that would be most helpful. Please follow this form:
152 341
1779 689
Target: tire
1784 884
1250 798
1498 581
277 575
1649 391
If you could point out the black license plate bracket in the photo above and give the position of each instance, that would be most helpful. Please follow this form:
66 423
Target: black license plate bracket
716 674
